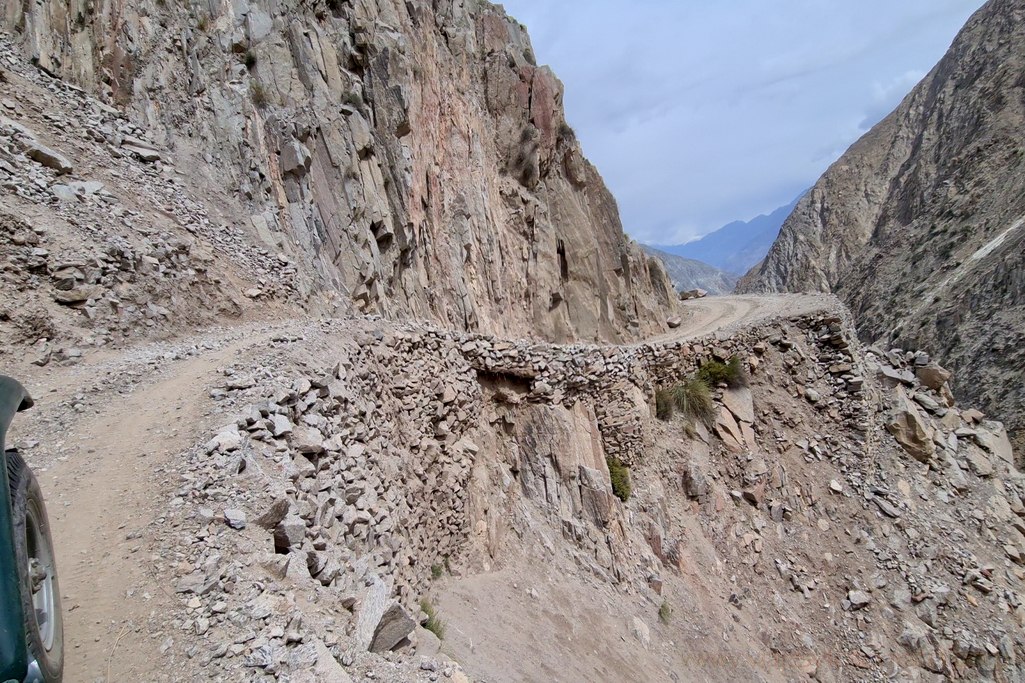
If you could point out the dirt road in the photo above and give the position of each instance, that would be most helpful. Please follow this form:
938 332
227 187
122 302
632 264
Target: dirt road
109 433
725 313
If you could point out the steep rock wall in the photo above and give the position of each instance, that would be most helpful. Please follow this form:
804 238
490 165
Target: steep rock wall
410 156
918 227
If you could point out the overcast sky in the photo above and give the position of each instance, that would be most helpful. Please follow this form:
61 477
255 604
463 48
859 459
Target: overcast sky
699 112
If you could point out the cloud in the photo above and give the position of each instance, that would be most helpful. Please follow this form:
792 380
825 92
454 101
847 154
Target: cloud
699 113
886 97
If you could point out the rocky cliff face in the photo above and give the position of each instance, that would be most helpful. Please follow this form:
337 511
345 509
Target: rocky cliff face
919 226
410 157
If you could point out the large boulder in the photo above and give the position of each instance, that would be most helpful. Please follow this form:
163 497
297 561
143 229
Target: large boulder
932 376
394 627
910 428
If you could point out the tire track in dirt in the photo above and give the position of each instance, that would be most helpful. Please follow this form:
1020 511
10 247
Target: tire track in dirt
106 502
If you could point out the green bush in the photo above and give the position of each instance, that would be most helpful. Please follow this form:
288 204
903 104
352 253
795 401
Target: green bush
352 99
664 404
620 475
694 399
731 373
260 96
665 612
437 571
434 624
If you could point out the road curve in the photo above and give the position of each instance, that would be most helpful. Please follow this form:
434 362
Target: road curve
715 314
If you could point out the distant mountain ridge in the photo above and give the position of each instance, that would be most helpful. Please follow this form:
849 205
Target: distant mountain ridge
688 273
738 246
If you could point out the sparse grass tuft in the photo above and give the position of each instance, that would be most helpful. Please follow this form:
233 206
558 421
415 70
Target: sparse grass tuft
259 94
620 475
694 399
436 571
352 99
731 373
434 624
664 404
203 22
665 612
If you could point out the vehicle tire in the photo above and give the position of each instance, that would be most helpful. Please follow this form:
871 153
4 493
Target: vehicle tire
37 571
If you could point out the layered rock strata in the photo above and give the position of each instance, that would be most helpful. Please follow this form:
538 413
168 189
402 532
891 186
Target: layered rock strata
412 157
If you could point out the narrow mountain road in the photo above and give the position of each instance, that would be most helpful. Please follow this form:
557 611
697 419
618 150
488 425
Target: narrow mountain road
107 437
724 314
110 434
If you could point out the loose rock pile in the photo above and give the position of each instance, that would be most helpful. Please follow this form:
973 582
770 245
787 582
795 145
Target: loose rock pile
925 527
113 232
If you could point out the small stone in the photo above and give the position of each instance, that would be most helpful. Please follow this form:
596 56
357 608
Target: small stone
932 375
641 632
887 508
274 514
225 442
979 463
290 532
63 192
235 518
48 157
308 440
858 599
280 425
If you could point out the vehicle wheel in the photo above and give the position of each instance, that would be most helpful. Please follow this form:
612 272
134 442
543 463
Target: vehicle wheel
37 570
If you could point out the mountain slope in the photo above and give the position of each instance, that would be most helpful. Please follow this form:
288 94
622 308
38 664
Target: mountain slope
919 226
411 153
738 246
688 273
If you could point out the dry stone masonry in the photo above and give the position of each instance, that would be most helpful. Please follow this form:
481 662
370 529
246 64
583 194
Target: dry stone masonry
358 483
167 166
